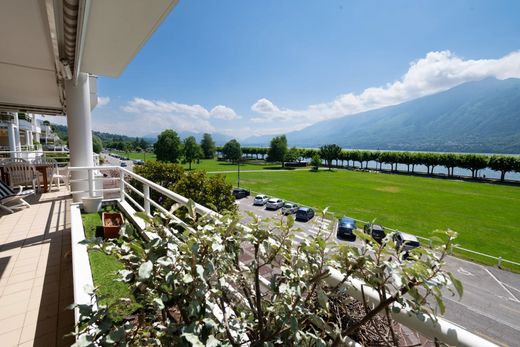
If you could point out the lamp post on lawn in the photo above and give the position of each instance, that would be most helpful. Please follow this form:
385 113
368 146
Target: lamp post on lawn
238 180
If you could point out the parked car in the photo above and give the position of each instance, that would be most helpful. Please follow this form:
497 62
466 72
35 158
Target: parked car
240 193
404 243
346 227
138 162
304 214
376 231
260 200
123 164
274 204
289 208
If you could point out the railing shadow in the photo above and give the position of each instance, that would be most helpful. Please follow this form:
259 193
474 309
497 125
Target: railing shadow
55 320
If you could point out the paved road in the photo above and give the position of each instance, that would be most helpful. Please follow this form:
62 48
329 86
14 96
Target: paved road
490 306
117 162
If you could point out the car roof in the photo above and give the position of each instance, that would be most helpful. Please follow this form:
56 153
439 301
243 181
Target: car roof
408 237
377 227
261 196
305 209
346 220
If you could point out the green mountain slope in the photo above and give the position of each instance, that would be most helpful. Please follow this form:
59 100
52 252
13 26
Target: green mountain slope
481 116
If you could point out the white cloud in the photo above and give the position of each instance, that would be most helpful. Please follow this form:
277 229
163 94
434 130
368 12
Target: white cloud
436 72
161 115
223 112
103 100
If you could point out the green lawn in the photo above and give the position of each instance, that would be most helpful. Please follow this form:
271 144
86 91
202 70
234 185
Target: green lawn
104 271
209 165
486 216
137 155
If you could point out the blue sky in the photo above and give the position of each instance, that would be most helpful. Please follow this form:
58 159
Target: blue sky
266 67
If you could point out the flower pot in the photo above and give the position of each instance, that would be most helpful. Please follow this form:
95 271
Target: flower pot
112 223
92 204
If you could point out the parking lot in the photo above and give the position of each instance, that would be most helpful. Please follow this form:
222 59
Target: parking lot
309 228
490 306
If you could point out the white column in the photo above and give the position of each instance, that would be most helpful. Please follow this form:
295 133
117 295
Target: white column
17 134
12 138
80 131
28 138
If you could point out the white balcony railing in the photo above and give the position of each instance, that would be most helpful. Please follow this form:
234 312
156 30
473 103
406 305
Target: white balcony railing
437 329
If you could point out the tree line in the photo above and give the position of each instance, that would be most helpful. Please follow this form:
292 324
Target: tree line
170 148
334 155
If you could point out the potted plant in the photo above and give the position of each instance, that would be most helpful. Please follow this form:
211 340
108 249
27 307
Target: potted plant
112 223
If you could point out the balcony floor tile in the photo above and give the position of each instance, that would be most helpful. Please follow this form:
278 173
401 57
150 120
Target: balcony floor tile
36 273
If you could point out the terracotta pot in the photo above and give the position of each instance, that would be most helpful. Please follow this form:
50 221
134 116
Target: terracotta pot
112 223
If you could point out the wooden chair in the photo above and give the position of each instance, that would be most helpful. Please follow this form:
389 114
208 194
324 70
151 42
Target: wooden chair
21 174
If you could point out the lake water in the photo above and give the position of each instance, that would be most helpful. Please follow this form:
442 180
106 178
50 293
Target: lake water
442 170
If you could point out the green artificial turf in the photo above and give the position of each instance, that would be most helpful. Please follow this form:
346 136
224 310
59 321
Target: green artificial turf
104 271
486 216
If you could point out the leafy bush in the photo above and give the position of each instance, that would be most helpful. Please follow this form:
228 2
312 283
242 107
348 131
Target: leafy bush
210 191
196 287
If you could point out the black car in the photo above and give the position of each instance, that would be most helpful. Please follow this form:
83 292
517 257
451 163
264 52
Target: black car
346 227
304 214
376 231
240 193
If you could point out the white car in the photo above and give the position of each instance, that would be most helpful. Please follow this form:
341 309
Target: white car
260 200
289 208
274 204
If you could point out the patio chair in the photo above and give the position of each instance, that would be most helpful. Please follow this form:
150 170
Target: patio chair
10 200
21 174
54 174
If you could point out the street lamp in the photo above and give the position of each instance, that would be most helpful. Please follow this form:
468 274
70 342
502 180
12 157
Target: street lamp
238 181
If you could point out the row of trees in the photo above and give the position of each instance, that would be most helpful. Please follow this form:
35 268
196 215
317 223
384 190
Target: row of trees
278 151
170 148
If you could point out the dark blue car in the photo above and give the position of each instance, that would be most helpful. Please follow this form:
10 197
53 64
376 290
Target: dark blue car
346 227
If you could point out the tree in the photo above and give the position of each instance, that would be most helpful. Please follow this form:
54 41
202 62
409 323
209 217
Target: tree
191 150
278 149
474 162
503 164
294 154
316 162
330 153
97 144
208 146
168 146
232 150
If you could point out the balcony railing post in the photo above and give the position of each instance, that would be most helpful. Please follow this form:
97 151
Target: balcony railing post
90 183
122 185
146 192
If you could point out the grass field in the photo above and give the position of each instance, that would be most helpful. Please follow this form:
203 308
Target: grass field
138 155
486 216
209 165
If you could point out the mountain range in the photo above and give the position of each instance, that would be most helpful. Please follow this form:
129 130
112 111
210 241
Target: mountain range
480 117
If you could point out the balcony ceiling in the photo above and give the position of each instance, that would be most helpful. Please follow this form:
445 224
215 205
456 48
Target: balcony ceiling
40 37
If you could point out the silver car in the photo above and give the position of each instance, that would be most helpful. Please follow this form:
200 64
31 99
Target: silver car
274 204
260 200
289 208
